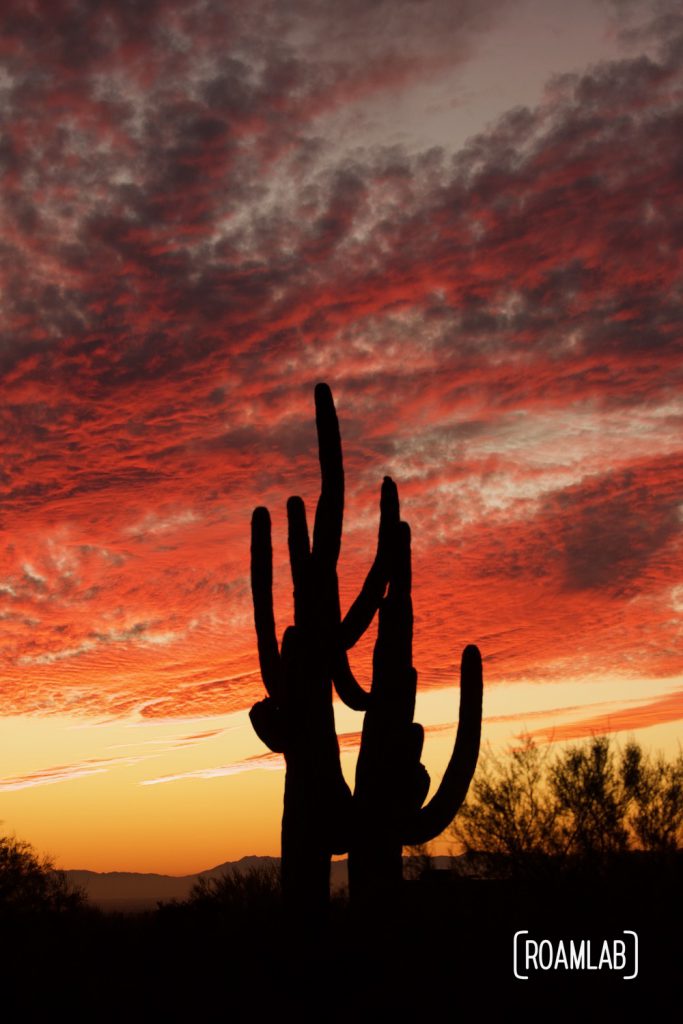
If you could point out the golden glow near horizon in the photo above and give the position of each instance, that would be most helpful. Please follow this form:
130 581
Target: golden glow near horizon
178 796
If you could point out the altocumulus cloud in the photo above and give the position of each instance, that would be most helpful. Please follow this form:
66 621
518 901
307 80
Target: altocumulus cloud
193 238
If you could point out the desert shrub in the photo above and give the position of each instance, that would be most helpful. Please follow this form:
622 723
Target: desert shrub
30 883
536 811
589 801
507 824
252 893
655 791
419 862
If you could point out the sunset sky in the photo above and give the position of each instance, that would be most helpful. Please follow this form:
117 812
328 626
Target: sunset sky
466 217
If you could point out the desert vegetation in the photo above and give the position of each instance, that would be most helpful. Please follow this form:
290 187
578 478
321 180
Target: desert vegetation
30 883
579 808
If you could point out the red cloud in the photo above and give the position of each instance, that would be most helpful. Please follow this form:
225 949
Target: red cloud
185 257
657 712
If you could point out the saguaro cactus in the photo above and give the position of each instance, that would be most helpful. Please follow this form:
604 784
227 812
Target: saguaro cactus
296 717
391 783
320 816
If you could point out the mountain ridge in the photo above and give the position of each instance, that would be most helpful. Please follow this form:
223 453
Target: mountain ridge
137 890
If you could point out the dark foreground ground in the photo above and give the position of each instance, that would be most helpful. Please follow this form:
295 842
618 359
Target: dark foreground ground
443 952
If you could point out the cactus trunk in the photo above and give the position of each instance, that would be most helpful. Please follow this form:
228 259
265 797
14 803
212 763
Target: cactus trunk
317 799
391 783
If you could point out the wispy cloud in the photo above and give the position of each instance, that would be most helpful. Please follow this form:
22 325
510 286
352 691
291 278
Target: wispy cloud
64 773
619 719
267 762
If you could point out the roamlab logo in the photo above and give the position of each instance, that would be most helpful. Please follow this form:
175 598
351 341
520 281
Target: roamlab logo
534 956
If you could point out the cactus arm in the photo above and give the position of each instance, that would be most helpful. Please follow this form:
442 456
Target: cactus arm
299 557
432 819
266 719
394 680
290 658
399 598
360 614
262 594
417 781
327 543
329 513
349 690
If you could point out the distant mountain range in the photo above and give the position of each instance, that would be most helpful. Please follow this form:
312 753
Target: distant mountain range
130 891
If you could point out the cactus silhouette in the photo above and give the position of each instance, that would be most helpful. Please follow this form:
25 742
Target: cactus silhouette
320 816
391 783
296 717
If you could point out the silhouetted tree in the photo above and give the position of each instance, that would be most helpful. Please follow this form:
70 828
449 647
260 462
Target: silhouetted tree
508 819
580 808
589 801
29 883
654 787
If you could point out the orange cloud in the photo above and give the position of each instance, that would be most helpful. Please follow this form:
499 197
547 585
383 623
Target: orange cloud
187 254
